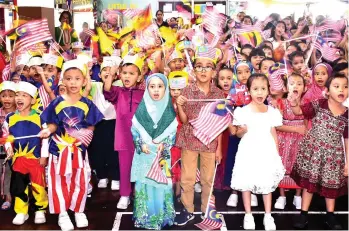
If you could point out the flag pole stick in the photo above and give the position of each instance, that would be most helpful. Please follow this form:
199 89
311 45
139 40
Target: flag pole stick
209 197
311 50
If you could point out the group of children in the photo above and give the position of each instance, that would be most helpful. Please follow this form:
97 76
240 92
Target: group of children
131 125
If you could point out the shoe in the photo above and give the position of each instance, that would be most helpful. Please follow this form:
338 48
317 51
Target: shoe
103 183
280 203
332 223
81 220
183 218
64 222
115 185
254 200
249 222
20 218
297 201
197 188
268 222
233 200
202 216
301 221
123 202
40 217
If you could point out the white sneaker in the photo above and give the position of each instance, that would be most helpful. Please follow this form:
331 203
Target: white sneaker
64 222
20 218
197 187
249 222
115 185
254 200
103 183
81 220
123 202
233 200
297 201
280 203
268 222
40 217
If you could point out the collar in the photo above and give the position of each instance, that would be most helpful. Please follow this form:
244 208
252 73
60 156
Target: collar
32 112
194 87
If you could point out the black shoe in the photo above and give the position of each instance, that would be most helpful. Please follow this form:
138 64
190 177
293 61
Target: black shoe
332 223
300 222
183 218
202 216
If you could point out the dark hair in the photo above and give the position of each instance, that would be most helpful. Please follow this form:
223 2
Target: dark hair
246 46
340 67
158 12
256 52
69 16
298 48
335 62
130 64
295 54
297 75
264 44
266 47
265 59
272 34
249 17
224 68
256 76
214 65
335 75
58 69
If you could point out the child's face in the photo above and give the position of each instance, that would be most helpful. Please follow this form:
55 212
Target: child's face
204 70
106 72
175 93
74 81
280 29
266 65
290 49
295 85
16 79
24 101
288 24
255 61
176 65
25 71
243 73
129 75
156 89
246 51
225 80
62 90
303 46
320 76
268 53
34 74
7 99
247 21
77 50
50 71
298 64
259 90
338 90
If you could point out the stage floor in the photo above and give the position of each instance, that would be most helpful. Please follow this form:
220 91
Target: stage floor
103 215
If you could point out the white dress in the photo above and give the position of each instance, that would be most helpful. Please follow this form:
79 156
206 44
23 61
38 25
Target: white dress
258 167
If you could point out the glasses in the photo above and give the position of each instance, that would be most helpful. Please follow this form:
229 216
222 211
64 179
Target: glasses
203 69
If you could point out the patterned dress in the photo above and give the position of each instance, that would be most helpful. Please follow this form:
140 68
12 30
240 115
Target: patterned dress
289 142
321 158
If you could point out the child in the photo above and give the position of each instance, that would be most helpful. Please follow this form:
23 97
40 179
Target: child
255 58
299 66
268 51
27 156
321 165
258 167
154 127
34 77
176 61
125 100
290 135
101 151
224 82
177 81
71 119
204 69
265 64
7 99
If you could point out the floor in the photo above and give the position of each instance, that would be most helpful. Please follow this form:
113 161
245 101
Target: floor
103 215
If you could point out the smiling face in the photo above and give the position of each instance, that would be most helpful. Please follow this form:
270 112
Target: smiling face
225 80
7 99
129 75
156 88
338 90
320 75
259 90
24 101
295 85
74 80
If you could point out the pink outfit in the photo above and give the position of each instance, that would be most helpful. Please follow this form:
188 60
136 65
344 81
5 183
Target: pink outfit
125 101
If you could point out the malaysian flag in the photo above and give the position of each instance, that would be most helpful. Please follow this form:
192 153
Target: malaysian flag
212 218
276 75
155 172
147 37
6 73
213 119
83 134
330 25
327 52
54 46
31 33
183 12
214 21
246 29
44 97
131 13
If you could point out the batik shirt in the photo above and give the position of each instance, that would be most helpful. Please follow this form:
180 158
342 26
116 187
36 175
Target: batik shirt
69 118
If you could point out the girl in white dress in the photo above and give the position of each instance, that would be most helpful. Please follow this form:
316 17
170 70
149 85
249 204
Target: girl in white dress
258 166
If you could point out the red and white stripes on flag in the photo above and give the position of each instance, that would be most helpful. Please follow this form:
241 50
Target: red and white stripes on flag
147 37
44 97
208 125
214 21
55 46
155 172
89 32
246 29
330 25
83 134
328 53
275 79
131 13
6 73
212 219
31 33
